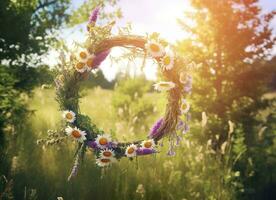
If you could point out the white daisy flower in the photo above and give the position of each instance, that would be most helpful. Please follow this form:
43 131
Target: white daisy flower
164 86
85 61
167 61
69 116
107 153
76 133
83 55
103 140
104 162
81 67
154 49
131 150
89 62
185 106
148 144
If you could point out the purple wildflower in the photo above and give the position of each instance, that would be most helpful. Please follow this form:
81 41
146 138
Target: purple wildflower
100 57
92 144
178 140
94 15
186 128
171 152
112 145
74 169
188 88
180 125
142 151
188 85
154 130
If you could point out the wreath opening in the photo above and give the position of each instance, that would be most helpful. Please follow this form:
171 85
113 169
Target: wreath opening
176 72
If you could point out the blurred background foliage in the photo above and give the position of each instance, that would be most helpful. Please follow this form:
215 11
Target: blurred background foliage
228 154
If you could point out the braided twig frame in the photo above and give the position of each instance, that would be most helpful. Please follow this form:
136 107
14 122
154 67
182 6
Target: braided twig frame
68 85
170 118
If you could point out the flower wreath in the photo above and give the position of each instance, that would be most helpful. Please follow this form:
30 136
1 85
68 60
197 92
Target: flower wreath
178 83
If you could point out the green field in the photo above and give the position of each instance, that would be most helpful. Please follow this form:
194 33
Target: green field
43 171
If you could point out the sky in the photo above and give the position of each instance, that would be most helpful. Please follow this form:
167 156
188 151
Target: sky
146 16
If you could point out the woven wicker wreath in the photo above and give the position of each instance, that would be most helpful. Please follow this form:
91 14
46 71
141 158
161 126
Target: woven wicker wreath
177 83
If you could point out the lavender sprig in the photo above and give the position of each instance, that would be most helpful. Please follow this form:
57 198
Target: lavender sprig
154 130
100 57
94 15
75 167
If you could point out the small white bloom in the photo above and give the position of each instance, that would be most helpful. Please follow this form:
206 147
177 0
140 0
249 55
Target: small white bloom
104 162
85 61
155 49
90 61
167 61
107 153
131 150
103 140
185 106
81 67
69 116
83 55
76 133
148 144
164 86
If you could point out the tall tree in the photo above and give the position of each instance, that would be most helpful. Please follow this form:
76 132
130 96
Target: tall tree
28 29
227 37
27 26
232 39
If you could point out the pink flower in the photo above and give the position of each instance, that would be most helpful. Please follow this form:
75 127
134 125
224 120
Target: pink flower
100 57
154 130
94 15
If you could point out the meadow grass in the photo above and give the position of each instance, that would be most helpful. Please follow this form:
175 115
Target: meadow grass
188 175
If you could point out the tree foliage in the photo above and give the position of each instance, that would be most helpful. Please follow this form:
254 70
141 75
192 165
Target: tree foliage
27 31
28 26
233 40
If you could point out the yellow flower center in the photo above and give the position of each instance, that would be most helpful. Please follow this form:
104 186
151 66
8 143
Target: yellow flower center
69 116
76 134
167 60
80 65
105 160
103 141
107 153
83 54
90 62
154 47
130 150
148 144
